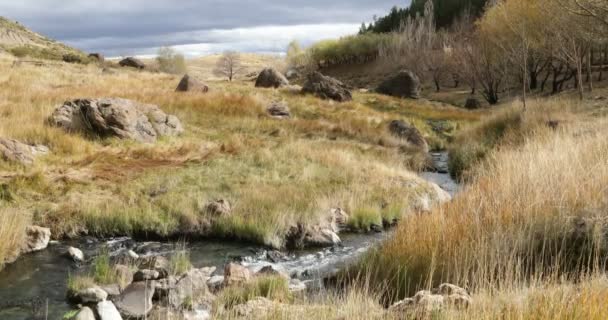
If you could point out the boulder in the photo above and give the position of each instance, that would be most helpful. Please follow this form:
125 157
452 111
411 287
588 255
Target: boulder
192 286
189 84
472 103
85 314
136 300
75 254
338 219
426 201
215 283
158 263
279 110
92 295
145 275
132 62
97 56
409 133
292 74
312 236
131 254
113 290
37 238
114 117
405 84
326 87
236 274
271 271
220 207
16 151
271 78
427 302
107 311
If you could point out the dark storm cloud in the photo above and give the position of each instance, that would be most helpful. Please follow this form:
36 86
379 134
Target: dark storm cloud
137 26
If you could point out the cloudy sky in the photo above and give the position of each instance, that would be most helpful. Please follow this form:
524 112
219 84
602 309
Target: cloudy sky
139 27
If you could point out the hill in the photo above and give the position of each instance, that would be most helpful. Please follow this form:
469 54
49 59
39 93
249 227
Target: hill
20 41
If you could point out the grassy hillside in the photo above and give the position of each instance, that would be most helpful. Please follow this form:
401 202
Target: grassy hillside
23 42
275 173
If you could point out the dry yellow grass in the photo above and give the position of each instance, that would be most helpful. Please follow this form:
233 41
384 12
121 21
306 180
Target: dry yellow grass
533 212
13 222
276 173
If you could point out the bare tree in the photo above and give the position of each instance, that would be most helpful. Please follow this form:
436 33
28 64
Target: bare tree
229 65
597 9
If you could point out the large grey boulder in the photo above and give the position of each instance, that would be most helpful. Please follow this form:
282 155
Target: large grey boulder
75 254
236 274
92 295
115 117
428 302
16 151
107 311
321 235
85 314
405 84
193 286
132 62
271 78
409 133
326 87
136 300
37 238
189 84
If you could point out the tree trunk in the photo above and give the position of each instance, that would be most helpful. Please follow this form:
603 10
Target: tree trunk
589 69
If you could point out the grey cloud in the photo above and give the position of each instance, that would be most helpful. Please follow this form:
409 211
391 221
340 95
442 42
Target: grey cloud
137 25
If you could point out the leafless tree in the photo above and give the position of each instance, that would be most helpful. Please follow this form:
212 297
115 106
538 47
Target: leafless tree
229 65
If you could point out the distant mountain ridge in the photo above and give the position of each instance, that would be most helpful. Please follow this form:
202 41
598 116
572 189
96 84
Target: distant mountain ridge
19 40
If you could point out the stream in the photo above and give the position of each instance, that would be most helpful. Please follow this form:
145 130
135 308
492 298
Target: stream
41 277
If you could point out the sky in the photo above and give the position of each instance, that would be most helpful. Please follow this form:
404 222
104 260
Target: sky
140 27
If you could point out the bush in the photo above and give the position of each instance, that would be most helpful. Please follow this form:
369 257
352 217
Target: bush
347 50
170 61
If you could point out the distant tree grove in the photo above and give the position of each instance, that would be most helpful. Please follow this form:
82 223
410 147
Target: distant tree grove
495 47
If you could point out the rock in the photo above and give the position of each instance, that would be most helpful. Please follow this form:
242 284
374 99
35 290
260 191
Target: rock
279 110
92 295
436 196
107 311
189 84
312 236
207 271
114 117
428 302
472 103
296 286
403 85
321 237
236 274
132 62
85 313
15 151
219 207
409 133
271 78
275 256
75 254
553 124
146 275
113 290
158 263
271 271
215 283
338 219
97 56
37 238
193 287
326 87
136 300
132 254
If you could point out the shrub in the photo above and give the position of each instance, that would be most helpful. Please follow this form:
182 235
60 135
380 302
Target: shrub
170 61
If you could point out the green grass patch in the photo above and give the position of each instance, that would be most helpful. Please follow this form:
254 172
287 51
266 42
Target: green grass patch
274 288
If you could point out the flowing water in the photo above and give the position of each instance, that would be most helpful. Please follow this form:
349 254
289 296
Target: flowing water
38 281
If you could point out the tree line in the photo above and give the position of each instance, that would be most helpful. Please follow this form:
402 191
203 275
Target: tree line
445 12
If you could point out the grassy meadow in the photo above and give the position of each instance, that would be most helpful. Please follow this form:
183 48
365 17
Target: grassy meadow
275 173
